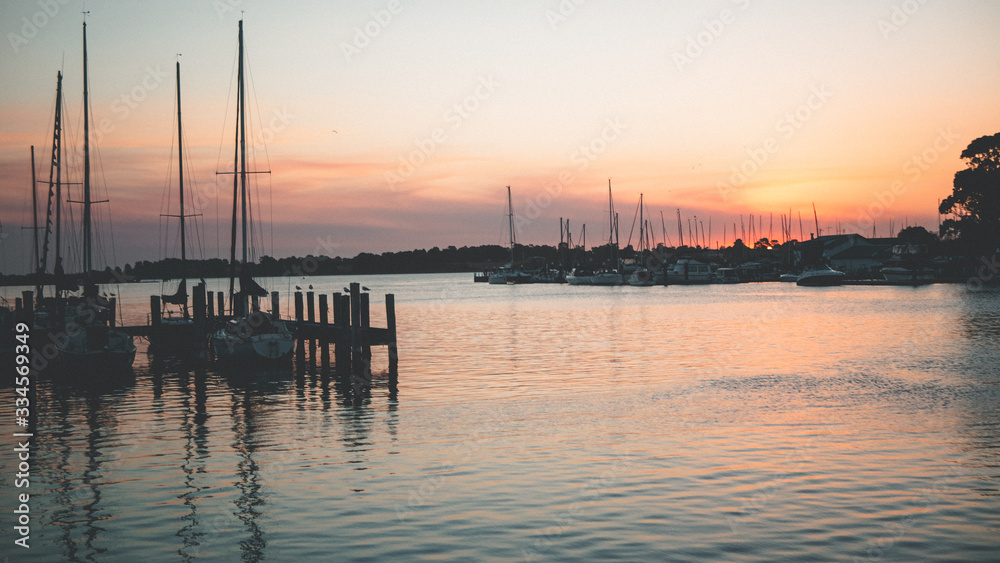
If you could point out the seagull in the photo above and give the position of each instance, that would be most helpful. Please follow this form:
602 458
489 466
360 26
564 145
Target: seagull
310 286
297 287
365 288
346 290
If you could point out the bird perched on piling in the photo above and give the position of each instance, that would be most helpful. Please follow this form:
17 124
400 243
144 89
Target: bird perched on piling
365 288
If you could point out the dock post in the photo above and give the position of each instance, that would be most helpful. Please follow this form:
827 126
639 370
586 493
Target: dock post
338 315
355 324
342 349
311 317
209 307
300 345
112 311
275 302
19 310
198 303
28 306
324 326
154 311
390 320
222 304
366 350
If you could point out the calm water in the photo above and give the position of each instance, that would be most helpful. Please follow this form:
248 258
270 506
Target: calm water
755 422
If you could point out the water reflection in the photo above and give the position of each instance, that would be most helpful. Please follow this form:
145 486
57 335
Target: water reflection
246 417
194 424
79 510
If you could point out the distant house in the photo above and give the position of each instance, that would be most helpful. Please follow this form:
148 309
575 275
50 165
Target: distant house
852 254
862 260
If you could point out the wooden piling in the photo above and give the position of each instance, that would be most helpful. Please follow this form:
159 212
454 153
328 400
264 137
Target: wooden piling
337 315
300 347
356 358
28 305
222 304
366 351
275 305
311 317
298 309
342 348
355 310
154 311
209 307
390 320
324 327
112 311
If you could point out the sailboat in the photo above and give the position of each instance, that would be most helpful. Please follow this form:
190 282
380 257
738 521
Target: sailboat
177 334
92 345
250 334
610 275
510 274
641 276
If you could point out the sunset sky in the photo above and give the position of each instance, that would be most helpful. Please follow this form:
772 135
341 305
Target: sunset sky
394 125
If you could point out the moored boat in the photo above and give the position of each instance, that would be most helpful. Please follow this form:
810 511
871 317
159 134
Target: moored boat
250 334
689 271
821 275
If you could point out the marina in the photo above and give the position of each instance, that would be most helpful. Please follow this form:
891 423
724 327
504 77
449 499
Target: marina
839 423
319 311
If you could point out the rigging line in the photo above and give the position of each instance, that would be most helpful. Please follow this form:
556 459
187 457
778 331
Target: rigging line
196 197
634 218
267 157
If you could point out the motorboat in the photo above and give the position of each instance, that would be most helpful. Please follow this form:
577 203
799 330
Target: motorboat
689 271
821 275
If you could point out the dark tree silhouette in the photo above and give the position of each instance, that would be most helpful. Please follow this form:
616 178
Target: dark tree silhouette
975 200
917 235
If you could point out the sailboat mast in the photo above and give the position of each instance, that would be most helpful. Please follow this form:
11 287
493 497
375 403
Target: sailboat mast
510 217
34 214
86 163
611 216
55 181
642 230
816 219
236 178
180 176
243 146
680 228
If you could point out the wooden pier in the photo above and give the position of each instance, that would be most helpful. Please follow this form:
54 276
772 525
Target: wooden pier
350 331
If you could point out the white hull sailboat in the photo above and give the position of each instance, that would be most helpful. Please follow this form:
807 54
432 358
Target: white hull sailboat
510 274
250 335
